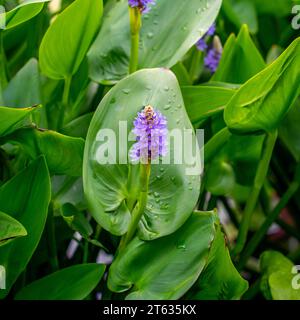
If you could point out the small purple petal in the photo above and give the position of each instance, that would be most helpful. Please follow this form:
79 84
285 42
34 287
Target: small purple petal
201 45
212 29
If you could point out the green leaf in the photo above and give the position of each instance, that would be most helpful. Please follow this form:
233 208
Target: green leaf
68 38
12 119
79 126
204 101
166 268
279 8
25 11
24 89
73 283
241 12
262 102
25 198
112 189
168 31
76 220
63 154
10 229
220 179
240 60
279 275
289 131
219 280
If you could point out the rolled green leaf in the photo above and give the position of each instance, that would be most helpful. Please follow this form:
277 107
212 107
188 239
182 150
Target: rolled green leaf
24 12
262 102
12 119
10 229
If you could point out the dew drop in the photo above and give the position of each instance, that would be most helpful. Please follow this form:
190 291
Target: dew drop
167 107
113 100
126 91
155 22
161 169
150 35
156 195
166 88
158 177
181 246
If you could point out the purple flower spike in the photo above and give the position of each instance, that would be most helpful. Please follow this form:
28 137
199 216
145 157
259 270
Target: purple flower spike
212 60
150 128
201 44
143 5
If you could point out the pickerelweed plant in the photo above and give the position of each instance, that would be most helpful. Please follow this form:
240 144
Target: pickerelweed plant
149 150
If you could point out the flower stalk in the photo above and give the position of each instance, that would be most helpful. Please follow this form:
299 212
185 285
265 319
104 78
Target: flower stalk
135 26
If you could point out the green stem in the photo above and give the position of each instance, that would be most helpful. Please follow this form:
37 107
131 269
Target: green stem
215 144
85 252
3 75
139 208
52 249
261 232
135 26
65 102
260 177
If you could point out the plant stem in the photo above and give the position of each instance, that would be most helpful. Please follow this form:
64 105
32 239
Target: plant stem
51 239
3 75
259 235
139 208
261 174
135 26
65 102
214 145
85 252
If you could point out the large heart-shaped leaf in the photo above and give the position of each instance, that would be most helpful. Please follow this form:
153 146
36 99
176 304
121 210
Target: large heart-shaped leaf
11 119
68 38
219 280
73 283
63 154
10 229
112 189
279 276
168 31
25 198
262 102
25 11
164 269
